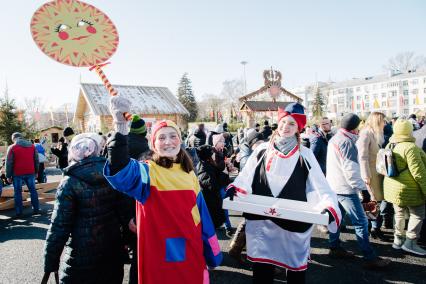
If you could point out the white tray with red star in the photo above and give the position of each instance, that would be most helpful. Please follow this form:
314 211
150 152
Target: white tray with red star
276 208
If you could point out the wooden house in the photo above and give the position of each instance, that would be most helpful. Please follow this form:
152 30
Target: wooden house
151 103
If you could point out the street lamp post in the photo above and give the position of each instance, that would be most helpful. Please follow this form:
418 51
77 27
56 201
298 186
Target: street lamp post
245 81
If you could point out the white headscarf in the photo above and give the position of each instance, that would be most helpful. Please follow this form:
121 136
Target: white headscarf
83 146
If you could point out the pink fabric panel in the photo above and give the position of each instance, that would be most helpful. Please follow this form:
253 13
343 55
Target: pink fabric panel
214 244
206 279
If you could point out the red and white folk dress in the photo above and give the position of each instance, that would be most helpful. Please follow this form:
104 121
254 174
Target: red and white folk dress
268 172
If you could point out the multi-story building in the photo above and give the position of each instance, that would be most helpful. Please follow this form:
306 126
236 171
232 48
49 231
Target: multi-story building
394 94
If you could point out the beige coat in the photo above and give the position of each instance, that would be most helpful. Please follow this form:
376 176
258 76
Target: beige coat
367 152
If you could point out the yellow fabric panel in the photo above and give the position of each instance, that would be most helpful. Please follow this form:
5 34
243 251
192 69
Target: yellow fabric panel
196 215
172 179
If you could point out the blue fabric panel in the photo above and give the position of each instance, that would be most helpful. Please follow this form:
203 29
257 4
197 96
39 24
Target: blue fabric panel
132 180
175 249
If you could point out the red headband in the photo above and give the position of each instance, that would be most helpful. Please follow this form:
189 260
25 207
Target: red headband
158 126
300 118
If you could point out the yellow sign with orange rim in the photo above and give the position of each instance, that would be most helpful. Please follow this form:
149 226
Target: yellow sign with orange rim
74 33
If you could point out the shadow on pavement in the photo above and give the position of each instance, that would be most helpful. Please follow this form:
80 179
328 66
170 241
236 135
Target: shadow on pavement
405 268
26 227
219 276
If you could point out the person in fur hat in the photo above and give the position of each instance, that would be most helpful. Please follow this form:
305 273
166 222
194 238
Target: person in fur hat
176 236
283 168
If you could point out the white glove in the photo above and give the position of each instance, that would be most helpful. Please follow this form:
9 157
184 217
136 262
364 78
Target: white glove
118 106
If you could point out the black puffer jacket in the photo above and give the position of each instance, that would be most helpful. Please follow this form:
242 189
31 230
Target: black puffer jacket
86 221
211 180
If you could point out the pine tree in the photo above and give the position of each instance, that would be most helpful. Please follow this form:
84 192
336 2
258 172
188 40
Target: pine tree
9 122
318 104
187 98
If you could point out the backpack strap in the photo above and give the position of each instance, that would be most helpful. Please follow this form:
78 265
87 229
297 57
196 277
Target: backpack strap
391 147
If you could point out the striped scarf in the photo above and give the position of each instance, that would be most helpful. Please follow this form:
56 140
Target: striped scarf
285 144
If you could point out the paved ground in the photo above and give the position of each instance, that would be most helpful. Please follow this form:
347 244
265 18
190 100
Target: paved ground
22 240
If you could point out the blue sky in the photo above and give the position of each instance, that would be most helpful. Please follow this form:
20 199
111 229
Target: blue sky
162 39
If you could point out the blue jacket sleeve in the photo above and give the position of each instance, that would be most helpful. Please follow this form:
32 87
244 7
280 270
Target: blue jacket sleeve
132 180
212 253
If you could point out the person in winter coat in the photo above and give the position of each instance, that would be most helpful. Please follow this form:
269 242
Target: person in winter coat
266 130
41 177
138 144
176 237
370 139
219 153
413 120
61 152
211 182
21 166
420 136
217 130
407 191
68 134
247 147
198 138
345 179
238 242
386 208
86 220
257 127
282 168
318 141
387 133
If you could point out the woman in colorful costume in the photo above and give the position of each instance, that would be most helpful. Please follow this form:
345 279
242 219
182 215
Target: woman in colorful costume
176 237
282 168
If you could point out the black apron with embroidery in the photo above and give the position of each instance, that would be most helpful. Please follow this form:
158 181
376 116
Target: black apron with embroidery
294 189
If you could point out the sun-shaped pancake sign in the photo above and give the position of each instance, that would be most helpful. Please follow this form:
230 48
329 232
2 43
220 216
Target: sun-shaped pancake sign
74 33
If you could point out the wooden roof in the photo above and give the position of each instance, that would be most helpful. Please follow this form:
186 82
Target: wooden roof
262 105
51 127
265 89
145 100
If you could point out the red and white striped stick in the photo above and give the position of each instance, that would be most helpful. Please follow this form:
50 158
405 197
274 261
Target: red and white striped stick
108 85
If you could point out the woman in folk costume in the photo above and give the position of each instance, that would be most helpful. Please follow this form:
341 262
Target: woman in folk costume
282 168
176 236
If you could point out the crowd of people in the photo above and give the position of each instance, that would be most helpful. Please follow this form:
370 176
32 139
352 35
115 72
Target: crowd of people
157 198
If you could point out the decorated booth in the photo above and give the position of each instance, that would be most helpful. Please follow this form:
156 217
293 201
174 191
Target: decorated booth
263 103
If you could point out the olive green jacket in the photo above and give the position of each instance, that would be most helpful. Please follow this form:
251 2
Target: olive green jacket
409 187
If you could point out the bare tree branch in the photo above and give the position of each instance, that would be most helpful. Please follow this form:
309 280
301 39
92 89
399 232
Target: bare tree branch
405 61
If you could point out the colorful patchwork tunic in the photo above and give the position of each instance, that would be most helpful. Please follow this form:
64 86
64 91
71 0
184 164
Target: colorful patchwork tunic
280 242
176 237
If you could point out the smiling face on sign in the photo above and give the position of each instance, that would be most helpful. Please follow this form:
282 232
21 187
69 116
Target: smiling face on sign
74 33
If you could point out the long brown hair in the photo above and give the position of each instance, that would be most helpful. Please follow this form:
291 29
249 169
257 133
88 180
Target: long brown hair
182 158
